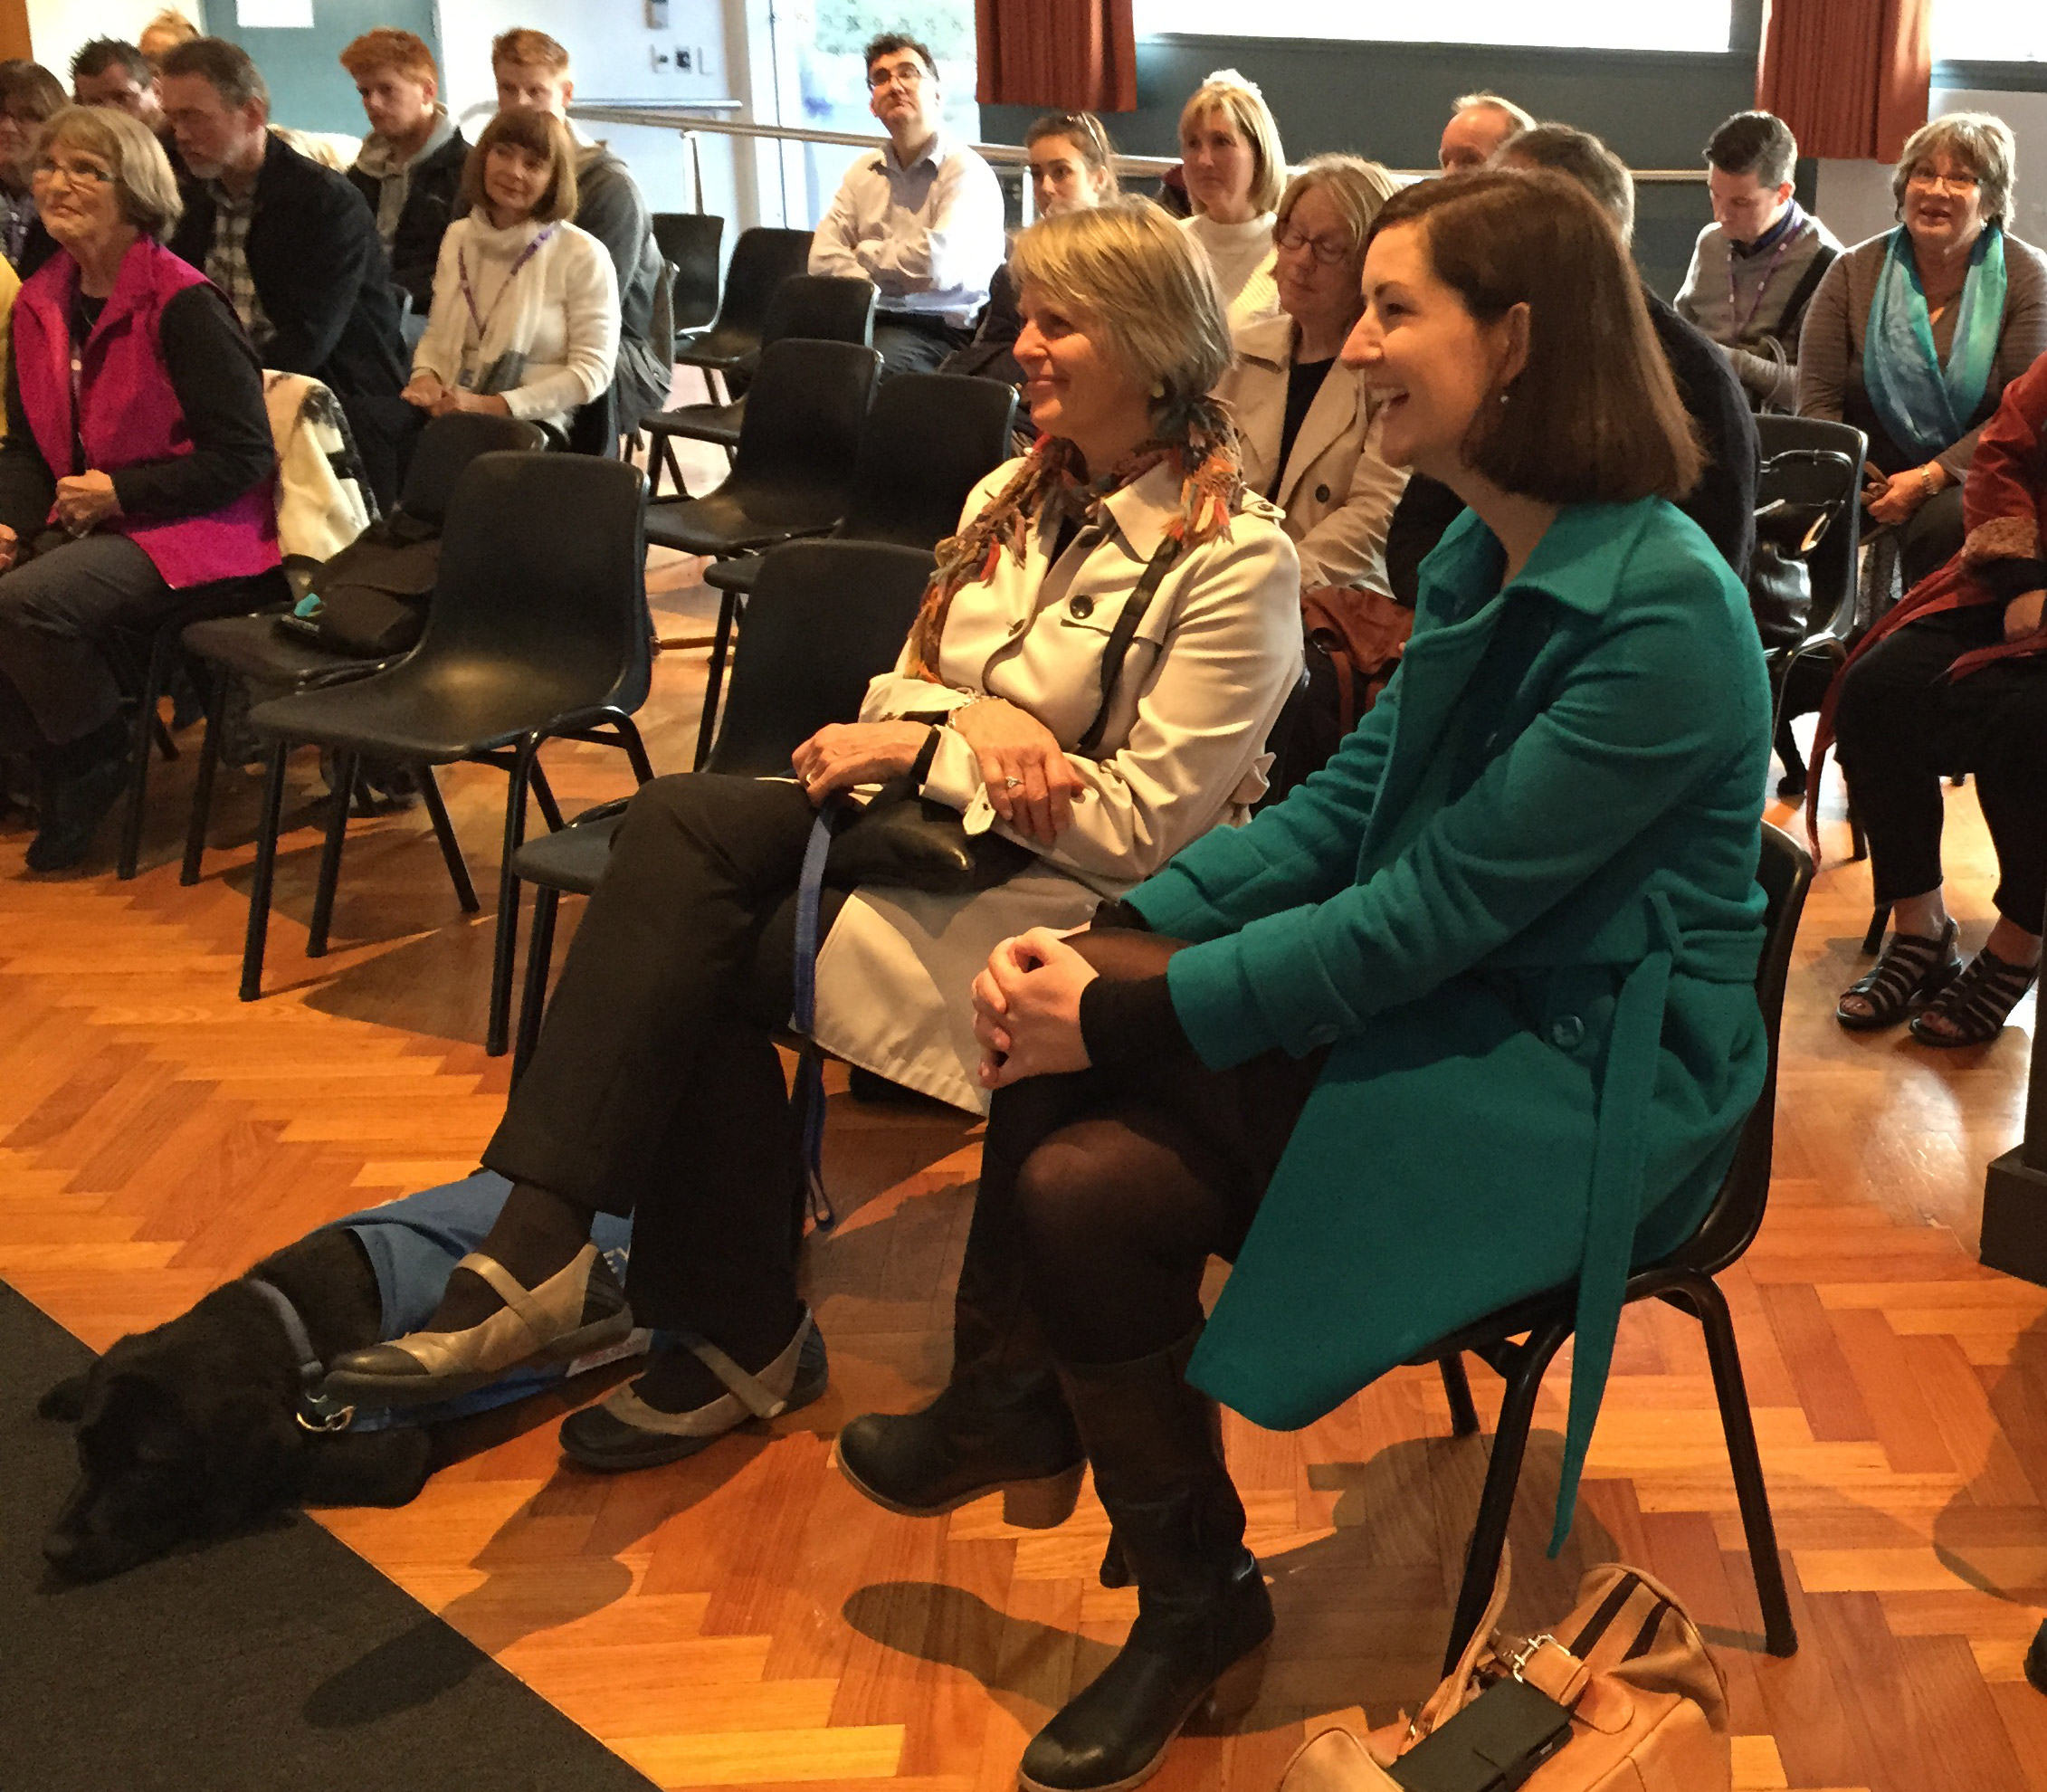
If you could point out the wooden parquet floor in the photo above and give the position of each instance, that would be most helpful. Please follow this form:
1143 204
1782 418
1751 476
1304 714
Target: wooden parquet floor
744 1619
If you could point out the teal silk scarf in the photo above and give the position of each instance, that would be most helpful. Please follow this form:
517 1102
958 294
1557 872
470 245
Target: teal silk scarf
1924 406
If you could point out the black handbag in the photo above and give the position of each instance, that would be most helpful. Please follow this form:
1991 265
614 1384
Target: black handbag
1780 586
903 840
370 600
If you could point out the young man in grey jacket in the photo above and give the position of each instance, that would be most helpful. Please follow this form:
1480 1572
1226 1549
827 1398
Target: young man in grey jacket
1758 264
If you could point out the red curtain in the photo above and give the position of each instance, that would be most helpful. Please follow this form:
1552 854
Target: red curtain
1065 55
1850 76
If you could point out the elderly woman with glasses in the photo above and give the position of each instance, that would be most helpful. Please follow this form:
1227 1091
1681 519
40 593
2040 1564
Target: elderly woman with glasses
1914 335
137 465
1307 427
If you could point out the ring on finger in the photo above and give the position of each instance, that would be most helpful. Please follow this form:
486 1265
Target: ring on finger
1011 782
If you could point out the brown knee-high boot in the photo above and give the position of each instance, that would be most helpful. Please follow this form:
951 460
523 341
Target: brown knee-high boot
1203 1615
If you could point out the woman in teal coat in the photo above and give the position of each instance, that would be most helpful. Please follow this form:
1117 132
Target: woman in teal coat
1469 1015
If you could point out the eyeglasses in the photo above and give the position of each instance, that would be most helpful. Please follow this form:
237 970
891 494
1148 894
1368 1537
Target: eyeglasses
1930 180
908 74
79 174
1328 252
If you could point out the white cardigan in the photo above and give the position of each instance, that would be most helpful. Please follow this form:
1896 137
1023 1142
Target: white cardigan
561 313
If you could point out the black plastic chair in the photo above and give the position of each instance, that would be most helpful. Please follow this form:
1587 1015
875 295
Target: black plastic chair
793 476
819 307
253 650
762 259
1684 1278
826 617
145 664
689 242
930 438
538 629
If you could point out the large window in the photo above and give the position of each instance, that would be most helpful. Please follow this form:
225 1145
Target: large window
1989 31
1598 25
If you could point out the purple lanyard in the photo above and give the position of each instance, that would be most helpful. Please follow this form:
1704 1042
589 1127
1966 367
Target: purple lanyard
1762 286
482 320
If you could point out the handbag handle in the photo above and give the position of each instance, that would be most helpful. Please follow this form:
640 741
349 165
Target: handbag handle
1119 638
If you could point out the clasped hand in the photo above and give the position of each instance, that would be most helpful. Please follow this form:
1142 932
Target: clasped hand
1031 782
1895 497
440 401
2022 615
86 500
1027 1008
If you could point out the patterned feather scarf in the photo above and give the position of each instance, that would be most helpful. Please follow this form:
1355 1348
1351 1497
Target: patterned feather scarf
1048 486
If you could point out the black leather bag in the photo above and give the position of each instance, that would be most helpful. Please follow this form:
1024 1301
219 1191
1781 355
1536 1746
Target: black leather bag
903 840
370 600
1780 586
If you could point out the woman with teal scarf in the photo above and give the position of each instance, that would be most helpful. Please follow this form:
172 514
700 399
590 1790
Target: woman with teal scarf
1913 335
1469 1015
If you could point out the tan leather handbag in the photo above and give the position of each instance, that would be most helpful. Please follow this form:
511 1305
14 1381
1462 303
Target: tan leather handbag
1648 1707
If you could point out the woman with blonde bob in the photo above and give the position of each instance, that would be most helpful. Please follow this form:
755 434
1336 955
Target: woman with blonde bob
137 464
1469 1015
1234 168
655 1088
525 320
1307 425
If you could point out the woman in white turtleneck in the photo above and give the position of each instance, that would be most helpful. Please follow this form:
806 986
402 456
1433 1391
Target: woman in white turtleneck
1234 168
524 319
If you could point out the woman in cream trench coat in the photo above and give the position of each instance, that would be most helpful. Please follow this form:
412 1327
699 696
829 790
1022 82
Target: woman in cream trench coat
1207 671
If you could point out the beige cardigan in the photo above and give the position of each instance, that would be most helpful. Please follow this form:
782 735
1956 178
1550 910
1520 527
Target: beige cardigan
1337 488
1184 751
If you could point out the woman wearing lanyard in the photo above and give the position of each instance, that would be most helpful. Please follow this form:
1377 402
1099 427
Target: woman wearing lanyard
525 317
1914 335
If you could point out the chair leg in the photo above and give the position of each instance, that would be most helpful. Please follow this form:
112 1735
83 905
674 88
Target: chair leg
544 794
451 848
258 933
1503 1474
1457 1385
727 608
499 1024
165 744
636 749
148 726
345 768
533 999
1780 1635
666 458
210 745
1880 919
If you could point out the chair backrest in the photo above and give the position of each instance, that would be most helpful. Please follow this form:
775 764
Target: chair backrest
929 438
806 410
688 242
543 565
825 308
1835 563
762 259
824 617
445 448
1784 870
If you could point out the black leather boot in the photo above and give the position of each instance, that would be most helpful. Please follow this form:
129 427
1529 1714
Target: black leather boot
1001 1421
1203 1615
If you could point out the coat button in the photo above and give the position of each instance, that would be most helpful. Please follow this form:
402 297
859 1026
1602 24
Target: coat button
1321 494
1083 606
1567 1033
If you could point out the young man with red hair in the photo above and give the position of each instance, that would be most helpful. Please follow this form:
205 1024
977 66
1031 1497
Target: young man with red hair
410 168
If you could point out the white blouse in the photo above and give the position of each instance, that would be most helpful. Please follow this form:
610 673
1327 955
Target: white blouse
558 309
1241 256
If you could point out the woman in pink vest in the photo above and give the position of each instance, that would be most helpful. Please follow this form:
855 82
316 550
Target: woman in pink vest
136 467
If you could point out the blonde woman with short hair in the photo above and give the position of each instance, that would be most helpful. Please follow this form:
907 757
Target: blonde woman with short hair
1235 169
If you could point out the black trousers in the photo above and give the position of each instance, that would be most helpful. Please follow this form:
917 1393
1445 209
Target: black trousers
1901 725
655 1089
1930 537
1105 1192
58 613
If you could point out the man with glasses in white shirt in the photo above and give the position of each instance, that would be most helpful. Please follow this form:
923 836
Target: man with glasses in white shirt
921 218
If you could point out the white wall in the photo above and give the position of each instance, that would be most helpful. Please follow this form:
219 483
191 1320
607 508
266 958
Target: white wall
57 28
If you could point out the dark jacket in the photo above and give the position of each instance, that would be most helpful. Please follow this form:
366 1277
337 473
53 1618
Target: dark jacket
1723 503
319 267
431 196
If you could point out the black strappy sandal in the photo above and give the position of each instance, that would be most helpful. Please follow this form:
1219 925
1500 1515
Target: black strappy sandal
1978 1003
1913 969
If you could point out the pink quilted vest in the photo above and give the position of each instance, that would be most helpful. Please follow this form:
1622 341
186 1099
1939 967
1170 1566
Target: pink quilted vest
130 413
